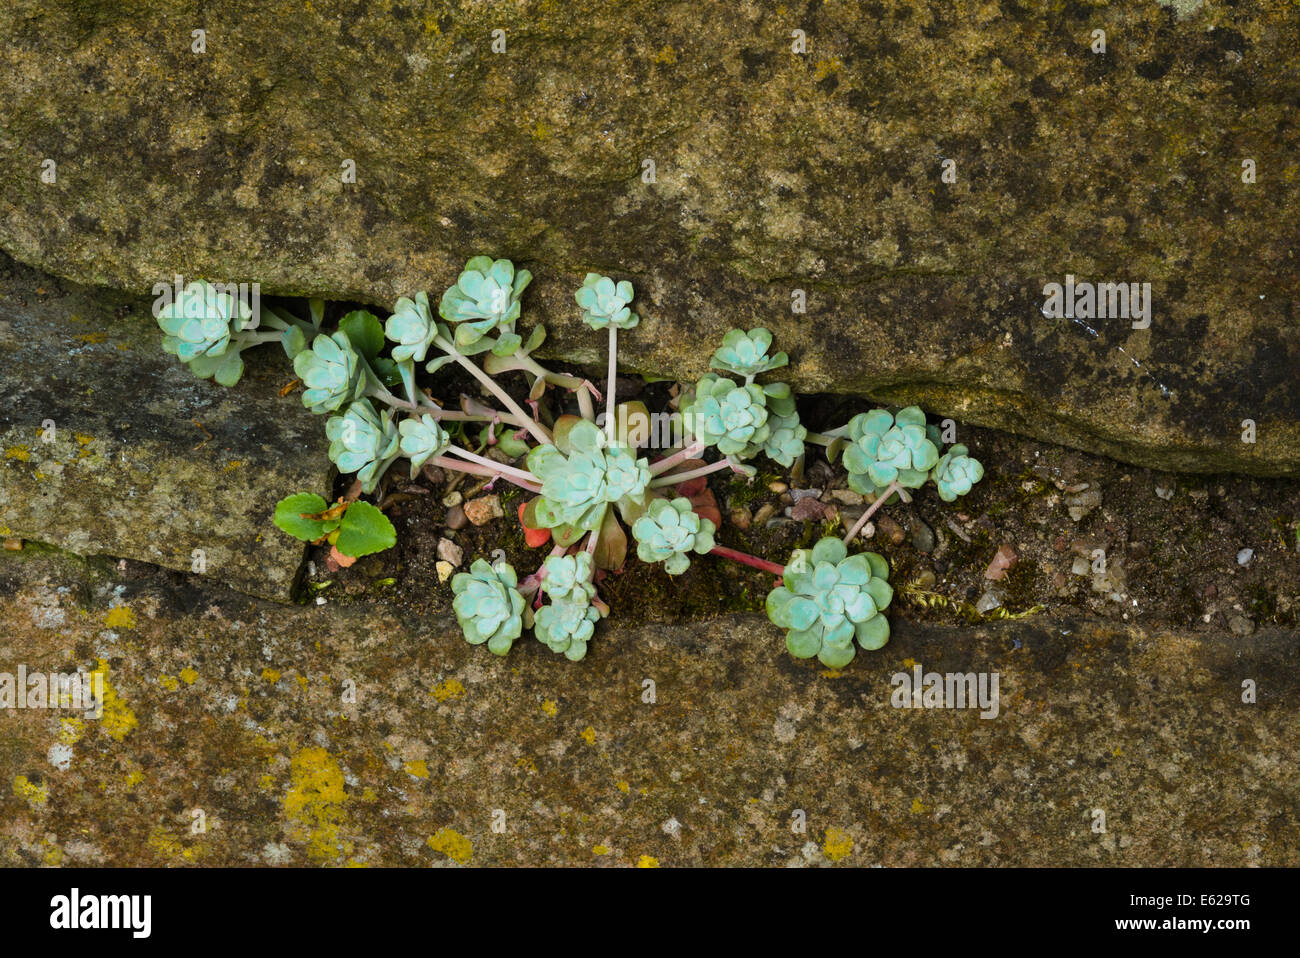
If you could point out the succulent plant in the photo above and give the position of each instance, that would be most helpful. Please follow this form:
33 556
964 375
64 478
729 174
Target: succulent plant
363 442
485 299
333 372
412 327
885 447
745 353
569 577
566 626
728 415
200 322
668 531
421 440
605 303
785 436
955 473
577 488
829 598
488 605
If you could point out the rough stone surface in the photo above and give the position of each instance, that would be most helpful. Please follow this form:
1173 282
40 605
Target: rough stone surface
146 461
241 708
774 171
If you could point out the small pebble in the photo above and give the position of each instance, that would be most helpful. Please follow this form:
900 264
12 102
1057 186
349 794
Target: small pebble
800 494
1244 556
808 510
456 518
891 530
1059 544
987 603
765 512
922 537
846 497
483 510
1081 566
927 579
14 545
448 551
1165 492
1240 625
741 518
445 569
1003 560
1083 503
777 487
453 498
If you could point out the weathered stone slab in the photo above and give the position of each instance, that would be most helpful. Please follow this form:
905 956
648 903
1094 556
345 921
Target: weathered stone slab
110 446
773 171
245 710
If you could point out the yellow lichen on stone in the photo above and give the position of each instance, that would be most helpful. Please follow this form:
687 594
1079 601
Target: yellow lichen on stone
448 689
837 844
169 682
34 795
647 861
599 850
919 807
120 617
270 675
117 719
53 854
589 735
419 769
666 54
134 778
189 676
622 786
452 844
550 708
20 453
71 730
314 804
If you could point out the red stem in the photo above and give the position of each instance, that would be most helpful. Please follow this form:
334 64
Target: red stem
744 558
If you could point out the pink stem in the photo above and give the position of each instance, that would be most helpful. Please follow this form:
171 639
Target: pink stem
744 558
504 470
862 520
690 452
690 474
458 465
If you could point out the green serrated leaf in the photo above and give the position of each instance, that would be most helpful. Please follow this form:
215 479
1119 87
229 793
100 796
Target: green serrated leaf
364 530
387 370
289 516
364 331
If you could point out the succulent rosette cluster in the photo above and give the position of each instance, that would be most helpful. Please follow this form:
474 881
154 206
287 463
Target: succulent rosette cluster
483 301
885 447
489 605
566 624
605 303
956 472
579 486
670 530
746 353
333 372
829 599
364 442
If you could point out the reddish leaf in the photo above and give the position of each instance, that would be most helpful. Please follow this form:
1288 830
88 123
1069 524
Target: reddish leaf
698 492
337 560
534 537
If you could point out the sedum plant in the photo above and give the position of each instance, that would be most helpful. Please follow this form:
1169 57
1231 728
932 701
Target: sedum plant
489 606
590 479
829 600
669 531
